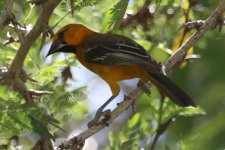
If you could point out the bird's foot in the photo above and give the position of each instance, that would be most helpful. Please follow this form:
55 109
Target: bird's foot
100 118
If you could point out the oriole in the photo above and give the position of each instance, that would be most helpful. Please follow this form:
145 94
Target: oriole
115 57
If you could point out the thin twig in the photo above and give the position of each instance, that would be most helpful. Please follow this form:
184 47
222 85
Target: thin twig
161 129
151 144
211 22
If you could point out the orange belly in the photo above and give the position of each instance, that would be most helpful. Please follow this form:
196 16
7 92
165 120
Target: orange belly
113 73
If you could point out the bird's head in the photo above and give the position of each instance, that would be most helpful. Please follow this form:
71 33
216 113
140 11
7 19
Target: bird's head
68 38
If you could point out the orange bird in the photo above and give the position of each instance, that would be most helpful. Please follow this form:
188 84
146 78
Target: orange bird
114 58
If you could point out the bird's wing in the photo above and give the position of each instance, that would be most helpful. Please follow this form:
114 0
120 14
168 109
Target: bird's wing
120 52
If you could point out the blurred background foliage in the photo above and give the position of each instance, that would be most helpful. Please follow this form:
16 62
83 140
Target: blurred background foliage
157 26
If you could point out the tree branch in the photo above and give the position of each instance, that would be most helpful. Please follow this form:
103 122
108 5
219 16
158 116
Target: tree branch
209 23
213 20
14 76
31 37
6 15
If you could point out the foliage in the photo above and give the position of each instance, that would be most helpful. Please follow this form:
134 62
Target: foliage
203 78
118 12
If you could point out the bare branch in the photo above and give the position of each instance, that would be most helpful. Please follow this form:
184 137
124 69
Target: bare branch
210 23
7 14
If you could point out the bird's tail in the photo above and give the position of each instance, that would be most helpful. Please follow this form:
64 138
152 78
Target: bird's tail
177 95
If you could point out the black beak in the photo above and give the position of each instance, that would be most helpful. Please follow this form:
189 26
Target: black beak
59 46
55 47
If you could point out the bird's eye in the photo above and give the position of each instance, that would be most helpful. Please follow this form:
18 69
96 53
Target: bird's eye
61 34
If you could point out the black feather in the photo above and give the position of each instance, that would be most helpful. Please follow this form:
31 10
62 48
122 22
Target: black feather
176 94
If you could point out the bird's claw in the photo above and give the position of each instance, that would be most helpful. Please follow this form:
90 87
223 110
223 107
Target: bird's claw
106 117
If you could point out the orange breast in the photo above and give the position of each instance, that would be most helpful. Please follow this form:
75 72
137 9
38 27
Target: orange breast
112 73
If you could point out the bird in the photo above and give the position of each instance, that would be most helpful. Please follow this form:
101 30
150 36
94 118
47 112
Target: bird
114 58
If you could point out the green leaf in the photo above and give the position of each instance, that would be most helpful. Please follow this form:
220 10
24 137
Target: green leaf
118 12
41 128
190 111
